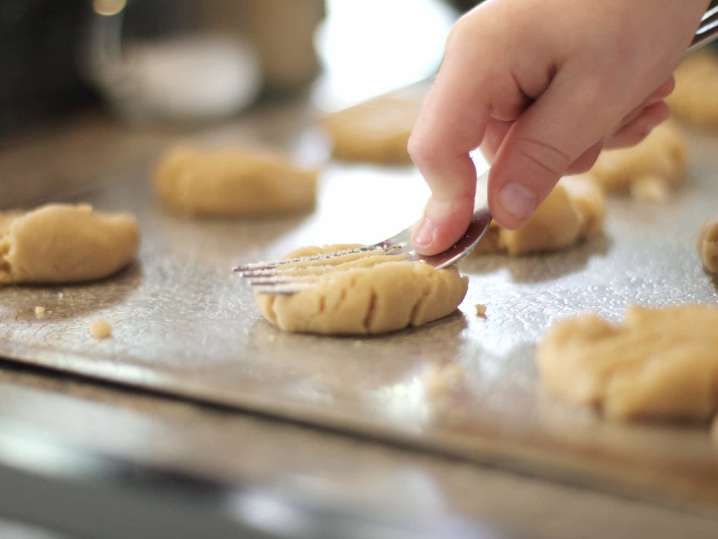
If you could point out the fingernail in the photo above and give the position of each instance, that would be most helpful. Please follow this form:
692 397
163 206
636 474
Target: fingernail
424 232
518 200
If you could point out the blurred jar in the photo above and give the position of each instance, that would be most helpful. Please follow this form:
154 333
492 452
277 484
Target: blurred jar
282 32
183 60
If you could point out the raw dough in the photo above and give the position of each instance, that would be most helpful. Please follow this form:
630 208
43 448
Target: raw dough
571 213
647 170
232 183
376 131
367 294
708 245
62 243
100 329
660 363
695 98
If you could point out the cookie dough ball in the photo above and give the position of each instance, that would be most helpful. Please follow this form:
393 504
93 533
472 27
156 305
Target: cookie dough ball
648 170
571 213
366 294
232 183
376 131
660 363
694 99
708 245
62 243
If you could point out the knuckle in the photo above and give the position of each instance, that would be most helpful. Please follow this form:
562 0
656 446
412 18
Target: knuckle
422 150
459 33
544 156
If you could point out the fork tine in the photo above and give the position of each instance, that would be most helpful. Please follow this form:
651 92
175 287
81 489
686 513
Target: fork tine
310 263
302 259
309 269
281 289
262 281
272 272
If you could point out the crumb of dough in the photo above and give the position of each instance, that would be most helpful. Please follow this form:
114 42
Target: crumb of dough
693 99
650 190
60 295
238 182
708 245
376 131
39 312
440 380
64 243
363 294
100 329
573 211
660 363
659 161
480 310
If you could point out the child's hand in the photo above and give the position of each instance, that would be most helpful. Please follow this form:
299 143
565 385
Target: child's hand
542 86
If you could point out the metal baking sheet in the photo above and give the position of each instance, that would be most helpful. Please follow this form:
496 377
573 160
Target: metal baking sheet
184 324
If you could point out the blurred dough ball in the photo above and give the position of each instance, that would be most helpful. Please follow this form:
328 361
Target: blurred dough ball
375 131
64 243
708 245
573 212
658 363
695 99
233 182
649 170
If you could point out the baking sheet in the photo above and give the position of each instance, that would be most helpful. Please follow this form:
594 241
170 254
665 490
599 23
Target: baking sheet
182 323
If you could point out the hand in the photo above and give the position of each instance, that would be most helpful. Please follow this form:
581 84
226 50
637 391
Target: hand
542 86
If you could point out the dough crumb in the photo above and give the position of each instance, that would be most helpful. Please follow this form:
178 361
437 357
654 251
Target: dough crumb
660 363
708 245
480 310
60 295
100 329
39 312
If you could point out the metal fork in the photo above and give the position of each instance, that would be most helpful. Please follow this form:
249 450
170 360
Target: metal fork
296 274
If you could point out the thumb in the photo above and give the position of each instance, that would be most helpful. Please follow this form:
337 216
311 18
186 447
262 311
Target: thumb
563 126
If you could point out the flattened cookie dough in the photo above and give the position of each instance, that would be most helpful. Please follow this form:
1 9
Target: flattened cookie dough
232 183
708 245
571 213
376 131
660 363
694 98
649 170
366 295
62 243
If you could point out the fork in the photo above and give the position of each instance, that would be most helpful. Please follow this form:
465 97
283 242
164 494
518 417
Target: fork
293 275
